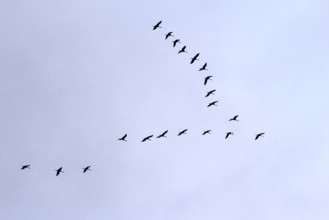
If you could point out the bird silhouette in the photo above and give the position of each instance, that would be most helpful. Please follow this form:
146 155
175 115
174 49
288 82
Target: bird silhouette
163 134
169 35
148 138
228 134
86 168
182 132
234 118
212 103
182 50
206 132
259 135
206 79
194 58
175 42
58 171
157 25
203 67
25 167
210 92
123 138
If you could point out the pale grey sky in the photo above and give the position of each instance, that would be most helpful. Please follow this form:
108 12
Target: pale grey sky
77 75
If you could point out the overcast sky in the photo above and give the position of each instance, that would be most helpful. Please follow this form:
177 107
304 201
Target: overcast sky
77 75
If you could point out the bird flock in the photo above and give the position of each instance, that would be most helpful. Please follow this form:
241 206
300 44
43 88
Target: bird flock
183 132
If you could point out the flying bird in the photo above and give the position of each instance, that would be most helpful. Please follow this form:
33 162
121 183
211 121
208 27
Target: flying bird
203 67
212 103
25 167
206 79
58 171
234 118
228 134
206 132
169 35
148 138
182 50
157 25
194 58
210 92
86 168
259 135
163 134
175 42
123 138
182 132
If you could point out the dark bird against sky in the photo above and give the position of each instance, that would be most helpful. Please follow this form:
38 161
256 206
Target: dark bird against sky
228 134
86 168
259 135
212 103
157 25
204 67
148 138
25 167
123 138
182 50
175 42
210 92
234 118
194 58
163 134
206 132
169 35
182 132
58 171
206 79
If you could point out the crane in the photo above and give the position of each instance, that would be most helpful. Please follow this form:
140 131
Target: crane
228 134
203 67
182 50
163 134
212 103
148 138
58 171
259 135
157 25
210 92
175 42
206 132
169 35
25 167
194 58
86 168
182 132
206 79
123 138
234 118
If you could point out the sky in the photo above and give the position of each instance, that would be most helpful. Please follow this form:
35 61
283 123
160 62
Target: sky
77 75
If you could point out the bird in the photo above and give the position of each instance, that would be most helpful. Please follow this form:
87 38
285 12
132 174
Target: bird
58 171
203 67
210 92
25 167
157 25
194 58
182 50
86 168
228 134
182 132
169 35
206 79
175 42
259 135
148 138
123 138
163 134
206 132
212 103
234 118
